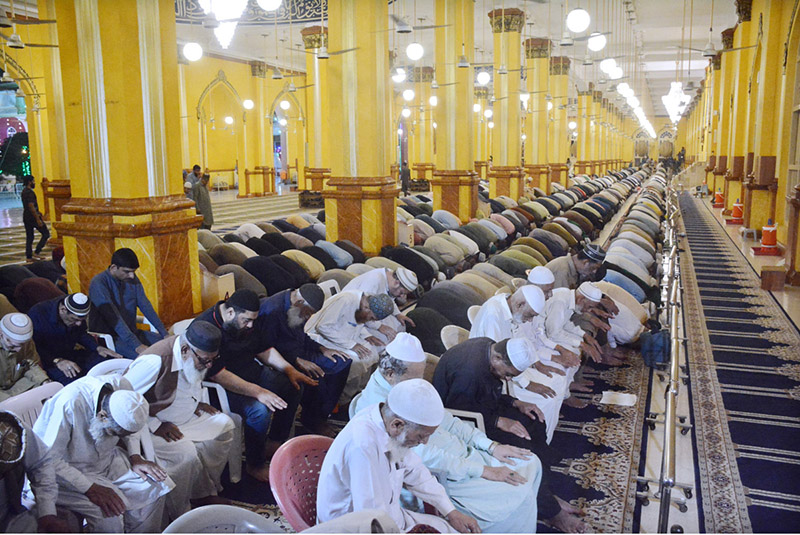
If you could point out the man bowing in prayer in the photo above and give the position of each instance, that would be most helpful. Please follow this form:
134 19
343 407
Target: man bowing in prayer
98 478
191 438
370 462
474 465
570 270
398 284
341 325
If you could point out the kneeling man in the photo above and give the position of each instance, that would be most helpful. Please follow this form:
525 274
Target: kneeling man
191 438
371 461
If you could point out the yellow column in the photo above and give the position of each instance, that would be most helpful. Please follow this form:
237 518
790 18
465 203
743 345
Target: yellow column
596 130
584 138
479 128
724 109
761 186
119 68
714 75
360 196
454 183
505 177
537 51
559 141
741 64
421 151
315 173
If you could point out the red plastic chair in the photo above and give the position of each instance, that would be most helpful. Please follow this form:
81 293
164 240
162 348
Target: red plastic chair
293 478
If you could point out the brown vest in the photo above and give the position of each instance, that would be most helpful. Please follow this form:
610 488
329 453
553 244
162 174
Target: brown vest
162 393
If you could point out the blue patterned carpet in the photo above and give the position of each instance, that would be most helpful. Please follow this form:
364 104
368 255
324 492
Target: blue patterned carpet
744 358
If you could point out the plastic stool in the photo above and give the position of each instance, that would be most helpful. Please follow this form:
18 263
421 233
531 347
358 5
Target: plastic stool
749 232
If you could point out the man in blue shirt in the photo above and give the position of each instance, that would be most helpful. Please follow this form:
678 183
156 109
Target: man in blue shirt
115 294
66 350
280 322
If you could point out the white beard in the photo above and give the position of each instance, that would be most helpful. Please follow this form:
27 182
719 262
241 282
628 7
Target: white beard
191 373
100 430
398 452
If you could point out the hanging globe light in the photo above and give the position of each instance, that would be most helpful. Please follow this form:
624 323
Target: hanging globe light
572 125
476 107
408 95
406 113
414 51
607 64
488 113
597 42
269 5
433 101
399 75
491 124
484 78
192 51
549 106
228 120
248 104
578 20
285 105
615 73
624 89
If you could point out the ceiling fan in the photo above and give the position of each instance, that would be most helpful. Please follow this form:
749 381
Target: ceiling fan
324 53
401 26
14 41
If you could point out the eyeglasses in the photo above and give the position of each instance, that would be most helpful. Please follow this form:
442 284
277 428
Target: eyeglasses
203 361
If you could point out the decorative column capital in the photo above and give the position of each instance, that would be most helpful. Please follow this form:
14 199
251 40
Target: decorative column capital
727 38
597 96
482 92
744 9
421 74
314 37
509 19
716 61
258 69
559 65
537 47
587 93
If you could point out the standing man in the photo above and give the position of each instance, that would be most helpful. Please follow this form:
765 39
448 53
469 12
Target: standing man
405 178
262 387
371 461
195 176
281 319
32 219
66 349
98 478
116 294
202 201
19 363
191 438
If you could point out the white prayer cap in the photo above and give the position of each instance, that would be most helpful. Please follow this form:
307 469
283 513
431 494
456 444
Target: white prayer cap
406 347
590 292
534 296
187 184
18 327
416 401
541 275
519 353
407 278
129 409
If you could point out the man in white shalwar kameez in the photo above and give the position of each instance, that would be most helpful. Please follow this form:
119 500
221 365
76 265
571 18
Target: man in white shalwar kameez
191 438
371 461
340 325
495 483
97 478
398 285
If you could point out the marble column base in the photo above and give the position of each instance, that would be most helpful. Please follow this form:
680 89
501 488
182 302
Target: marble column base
161 230
362 210
316 177
506 180
540 174
457 192
559 172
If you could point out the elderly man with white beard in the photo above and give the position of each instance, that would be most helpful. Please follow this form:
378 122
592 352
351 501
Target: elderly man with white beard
371 461
398 284
191 438
97 477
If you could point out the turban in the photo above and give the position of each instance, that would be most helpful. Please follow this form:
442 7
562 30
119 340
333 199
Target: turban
381 305
204 336
534 296
590 292
406 347
77 304
407 278
18 327
128 409
541 275
519 353
416 401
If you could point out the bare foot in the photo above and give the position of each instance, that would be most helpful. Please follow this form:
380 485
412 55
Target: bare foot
210 500
575 386
575 403
568 507
611 360
568 523
259 473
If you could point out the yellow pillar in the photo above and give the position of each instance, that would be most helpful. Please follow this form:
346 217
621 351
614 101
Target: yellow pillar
537 52
455 183
559 141
596 130
506 177
584 137
360 195
119 68
316 172
741 63
724 109
760 187
421 152
480 129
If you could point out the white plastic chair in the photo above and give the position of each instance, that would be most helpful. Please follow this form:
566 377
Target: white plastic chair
180 326
475 418
330 288
351 409
222 519
28 405
109 339
109 366
431 361
235 453
472 313
453 335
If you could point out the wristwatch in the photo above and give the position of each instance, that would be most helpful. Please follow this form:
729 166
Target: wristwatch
56 361
492 446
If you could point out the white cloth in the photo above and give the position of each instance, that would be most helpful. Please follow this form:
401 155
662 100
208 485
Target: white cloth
494 319
196 461
41 486
558 326
625 326
357 474
249 230
81 462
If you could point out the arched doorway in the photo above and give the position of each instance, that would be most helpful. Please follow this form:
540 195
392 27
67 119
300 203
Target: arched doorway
288 137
